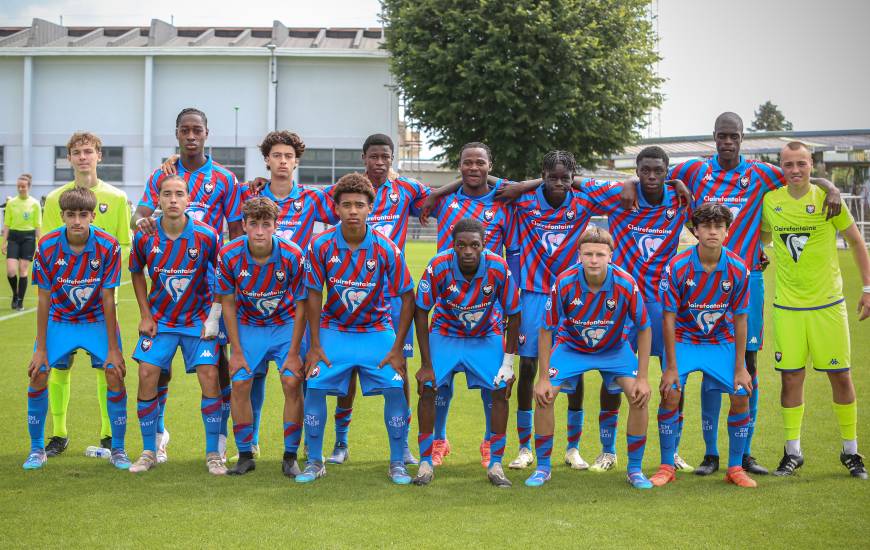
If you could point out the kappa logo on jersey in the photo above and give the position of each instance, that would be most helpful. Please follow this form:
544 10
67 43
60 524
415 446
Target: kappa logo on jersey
690 282
94 263
744 182
297 205
811 208
280 275
570 214
267 306
209 187
795 243
611 304
424 286
670 213
79 295
470 318
453 288
192 253
352 298
104 208
552 372
592 335
176 286
708 177
577 302
753 340
244 273
334 260
156 250
487 289
146 344
648 245
385 229
60 261
394 198
707 320
726 286
834 362
552 240
371 265
453 205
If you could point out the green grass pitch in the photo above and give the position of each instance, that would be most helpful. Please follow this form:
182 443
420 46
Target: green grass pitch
80 502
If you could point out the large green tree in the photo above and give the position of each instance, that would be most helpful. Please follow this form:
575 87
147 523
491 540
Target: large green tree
769 118
525 76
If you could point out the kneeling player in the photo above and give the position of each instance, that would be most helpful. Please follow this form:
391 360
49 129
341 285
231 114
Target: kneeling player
355 332
180 258
471 290
77 268
588 308
260 278
706 301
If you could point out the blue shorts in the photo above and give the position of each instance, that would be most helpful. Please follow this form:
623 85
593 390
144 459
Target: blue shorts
567 365
62 339
396 313
755 319
657 349
355 351
264 344
532 305
716 361
479 358
160 350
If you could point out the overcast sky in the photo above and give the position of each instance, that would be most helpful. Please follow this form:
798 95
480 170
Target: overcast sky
809 57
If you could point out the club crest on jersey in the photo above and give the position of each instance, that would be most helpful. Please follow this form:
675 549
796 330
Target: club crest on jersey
552 372
94 263
487 290
176 286
394 198
670 213
811 209
209 187
79 295
297 205
778 356
726 286
549 305
146 344
424 286
664 285
352 298
522 339
611 304
280 275
192 253
371 265
104 208
570 215
470 318
707 320
488 215
744 182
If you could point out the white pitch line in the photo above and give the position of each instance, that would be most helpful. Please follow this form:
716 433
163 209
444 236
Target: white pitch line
31 310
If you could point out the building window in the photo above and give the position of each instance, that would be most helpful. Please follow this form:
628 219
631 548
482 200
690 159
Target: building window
231 158
110 169
325 166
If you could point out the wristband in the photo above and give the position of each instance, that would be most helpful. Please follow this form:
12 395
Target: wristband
867 289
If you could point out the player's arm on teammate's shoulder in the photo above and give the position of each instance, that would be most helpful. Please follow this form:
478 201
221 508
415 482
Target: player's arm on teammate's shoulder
833 201
856 242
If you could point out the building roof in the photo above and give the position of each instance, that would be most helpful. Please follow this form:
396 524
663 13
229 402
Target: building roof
161 37
756 143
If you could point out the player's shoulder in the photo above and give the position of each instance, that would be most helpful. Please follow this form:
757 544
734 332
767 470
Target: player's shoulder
289 249
324 238
408 183
440 262
735 262
51 237
234 247
205 230
569 275
54 194
382 242
108 190
221 172
493 260
104 238
622 277
681 259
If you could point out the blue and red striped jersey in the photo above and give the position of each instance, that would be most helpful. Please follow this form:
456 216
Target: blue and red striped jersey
215 195
463 308
705 303
741 190
547 236
181 271
76 281
266 293
496 217
395 202
594 322
357 281
298 211
647 238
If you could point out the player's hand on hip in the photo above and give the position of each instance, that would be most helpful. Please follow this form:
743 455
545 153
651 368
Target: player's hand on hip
294 364
864 306
168 166
148 327
147 225
396 359
743 380
38 361
424 374
670 379
237 362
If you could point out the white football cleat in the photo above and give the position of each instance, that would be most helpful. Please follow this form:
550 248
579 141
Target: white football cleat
162 443
573 459
523 460
604 462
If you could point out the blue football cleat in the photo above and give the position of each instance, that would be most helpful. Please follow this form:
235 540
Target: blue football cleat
313 470
35 460
399 474
120 460
538 478
639 481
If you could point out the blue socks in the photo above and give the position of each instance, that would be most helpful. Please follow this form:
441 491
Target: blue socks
636 446
524 428
292 436
342 424
486 397
315 422
244 434
162 396
543 450
116 404
711 404
37 409
148 413
210 407
225 409
425 441
395 413
753 415
575 428
442 407
738 431
496 448
668 426
607 422
258 396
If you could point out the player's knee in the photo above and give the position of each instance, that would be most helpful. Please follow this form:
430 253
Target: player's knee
164 377
609 401
427 396
739 403
113 379
242 388
673 400
500 396
39 380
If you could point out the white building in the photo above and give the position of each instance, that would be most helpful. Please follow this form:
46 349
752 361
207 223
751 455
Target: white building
331 86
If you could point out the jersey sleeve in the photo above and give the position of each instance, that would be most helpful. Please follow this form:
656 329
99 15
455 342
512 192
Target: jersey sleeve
844 219
637 310
670 290
765 214
740 294
398 275
427 288
7 214
511 240
138 259
315 268
325 207
41 277
771 176
122 221
510 295
151 192
112 274
225 279
552 309
37 215
233 200
603 196
421 193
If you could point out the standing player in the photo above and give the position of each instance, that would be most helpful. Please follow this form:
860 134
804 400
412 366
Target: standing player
472 293
77 269
214 197
588 309
355 332
809 315
729 179
180 258
260 279
706 299
21 221
84 153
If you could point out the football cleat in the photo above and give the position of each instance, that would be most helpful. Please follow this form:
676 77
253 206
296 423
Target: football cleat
255 450
665 475
290 466
145 462
35 460
523 460
855 464
440 449
496 476
709 465
753 467
56 445
399 474
738 476
119 459
604 462
408 458
313 470
242 467
788 464
573 459
162 443
485 453
682 465
538 478
215 464
222 447
340 454
425 474
638 480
